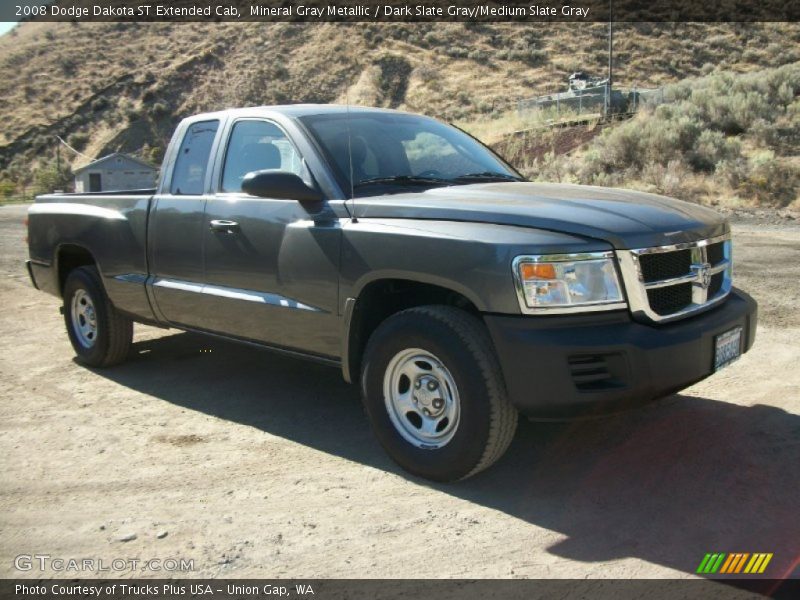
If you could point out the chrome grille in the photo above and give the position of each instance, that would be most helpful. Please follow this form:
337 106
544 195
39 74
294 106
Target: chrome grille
667 300
665 265
716 253
671 282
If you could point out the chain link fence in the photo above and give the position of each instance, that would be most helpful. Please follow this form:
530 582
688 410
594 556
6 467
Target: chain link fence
599 99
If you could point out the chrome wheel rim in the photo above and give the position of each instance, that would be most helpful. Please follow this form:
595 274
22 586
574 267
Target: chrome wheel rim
84 318
421 398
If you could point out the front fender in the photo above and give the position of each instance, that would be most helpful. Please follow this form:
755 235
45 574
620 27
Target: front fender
472 259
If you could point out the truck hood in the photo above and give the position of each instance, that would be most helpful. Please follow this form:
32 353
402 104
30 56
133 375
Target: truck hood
623 218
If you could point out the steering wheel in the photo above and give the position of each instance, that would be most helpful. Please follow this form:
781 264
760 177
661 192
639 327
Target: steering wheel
431 173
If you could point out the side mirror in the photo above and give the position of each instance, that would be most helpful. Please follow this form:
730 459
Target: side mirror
279 184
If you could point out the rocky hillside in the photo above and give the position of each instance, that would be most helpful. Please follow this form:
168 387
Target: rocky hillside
106 87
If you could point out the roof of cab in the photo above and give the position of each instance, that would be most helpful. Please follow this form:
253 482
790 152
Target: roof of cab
296 110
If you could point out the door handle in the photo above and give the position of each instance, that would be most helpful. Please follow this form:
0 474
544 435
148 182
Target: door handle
222 226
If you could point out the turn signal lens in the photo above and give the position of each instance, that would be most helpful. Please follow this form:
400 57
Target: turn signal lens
537 271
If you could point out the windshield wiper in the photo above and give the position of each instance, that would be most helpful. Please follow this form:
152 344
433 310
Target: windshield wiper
487 176
403 180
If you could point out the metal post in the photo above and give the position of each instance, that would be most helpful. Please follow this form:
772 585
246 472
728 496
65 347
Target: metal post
610 56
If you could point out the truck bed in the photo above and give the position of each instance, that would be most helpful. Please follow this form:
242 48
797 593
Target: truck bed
110 226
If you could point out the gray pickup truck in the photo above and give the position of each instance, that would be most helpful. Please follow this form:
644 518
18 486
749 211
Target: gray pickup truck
410 256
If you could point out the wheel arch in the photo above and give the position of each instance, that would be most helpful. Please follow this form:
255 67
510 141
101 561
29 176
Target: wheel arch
380 298
68 257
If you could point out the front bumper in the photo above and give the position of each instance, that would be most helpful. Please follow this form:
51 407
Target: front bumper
566 366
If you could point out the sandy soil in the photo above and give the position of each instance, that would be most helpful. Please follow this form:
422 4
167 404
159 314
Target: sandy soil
251 464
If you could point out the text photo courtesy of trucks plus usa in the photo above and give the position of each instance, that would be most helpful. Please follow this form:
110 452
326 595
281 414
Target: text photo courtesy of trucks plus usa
294 306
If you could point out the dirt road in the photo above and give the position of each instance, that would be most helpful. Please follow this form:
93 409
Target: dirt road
251 464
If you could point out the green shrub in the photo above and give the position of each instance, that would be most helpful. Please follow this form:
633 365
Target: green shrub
7 188
709 127
154 155
777 136
621 147
671 179
78 140
719 42
432 39
456 52
731 173
770 181
712 147
48 178
68 65
478 56
551 167
159 109
786 93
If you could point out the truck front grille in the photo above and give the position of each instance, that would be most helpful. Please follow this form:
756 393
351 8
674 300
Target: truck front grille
667 300
665 265
716 253
671 282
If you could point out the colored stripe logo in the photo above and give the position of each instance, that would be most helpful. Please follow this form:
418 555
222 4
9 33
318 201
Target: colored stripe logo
734 563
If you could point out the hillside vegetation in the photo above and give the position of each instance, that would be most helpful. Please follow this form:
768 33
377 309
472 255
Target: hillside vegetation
724 138
107 87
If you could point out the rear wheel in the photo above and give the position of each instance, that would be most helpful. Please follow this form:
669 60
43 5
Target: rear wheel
100 335
434 393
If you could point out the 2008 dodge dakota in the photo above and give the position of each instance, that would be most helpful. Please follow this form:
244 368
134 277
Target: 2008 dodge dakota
407 254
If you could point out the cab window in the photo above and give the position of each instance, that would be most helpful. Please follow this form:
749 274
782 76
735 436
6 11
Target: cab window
192 161
257 146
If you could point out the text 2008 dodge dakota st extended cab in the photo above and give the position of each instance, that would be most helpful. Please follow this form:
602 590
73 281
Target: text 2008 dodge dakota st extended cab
404 252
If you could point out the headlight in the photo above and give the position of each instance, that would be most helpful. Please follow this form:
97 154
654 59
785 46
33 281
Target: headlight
552 283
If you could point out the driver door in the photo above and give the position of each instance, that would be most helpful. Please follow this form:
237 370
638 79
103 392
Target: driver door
271 269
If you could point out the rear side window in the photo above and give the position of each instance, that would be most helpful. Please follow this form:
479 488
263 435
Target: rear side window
192 162
257 146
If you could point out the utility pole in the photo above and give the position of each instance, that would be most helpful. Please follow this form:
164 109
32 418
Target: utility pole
610 83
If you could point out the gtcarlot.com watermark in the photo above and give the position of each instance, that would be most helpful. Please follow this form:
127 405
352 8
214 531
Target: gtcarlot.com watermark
58 564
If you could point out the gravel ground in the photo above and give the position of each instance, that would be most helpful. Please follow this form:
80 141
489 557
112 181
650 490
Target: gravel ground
255 465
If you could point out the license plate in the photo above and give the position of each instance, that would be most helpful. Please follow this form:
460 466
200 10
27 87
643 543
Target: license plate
727 348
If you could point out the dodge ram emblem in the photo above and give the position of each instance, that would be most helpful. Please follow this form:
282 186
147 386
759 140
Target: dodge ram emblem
703 274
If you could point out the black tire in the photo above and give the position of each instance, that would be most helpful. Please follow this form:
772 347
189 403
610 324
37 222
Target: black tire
461 343
111 341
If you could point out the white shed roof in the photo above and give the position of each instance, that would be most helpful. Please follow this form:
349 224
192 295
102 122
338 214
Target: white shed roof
100 161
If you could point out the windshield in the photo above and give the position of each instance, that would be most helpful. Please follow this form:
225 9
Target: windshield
396 152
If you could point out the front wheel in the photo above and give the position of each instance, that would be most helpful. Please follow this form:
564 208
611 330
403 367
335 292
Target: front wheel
100 335
435 395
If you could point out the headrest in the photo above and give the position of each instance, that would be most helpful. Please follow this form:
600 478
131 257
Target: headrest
357 145
263 156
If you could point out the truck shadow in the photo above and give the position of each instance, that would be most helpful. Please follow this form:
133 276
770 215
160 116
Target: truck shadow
665 484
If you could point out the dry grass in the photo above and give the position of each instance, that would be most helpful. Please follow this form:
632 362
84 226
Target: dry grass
123 86
497 127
